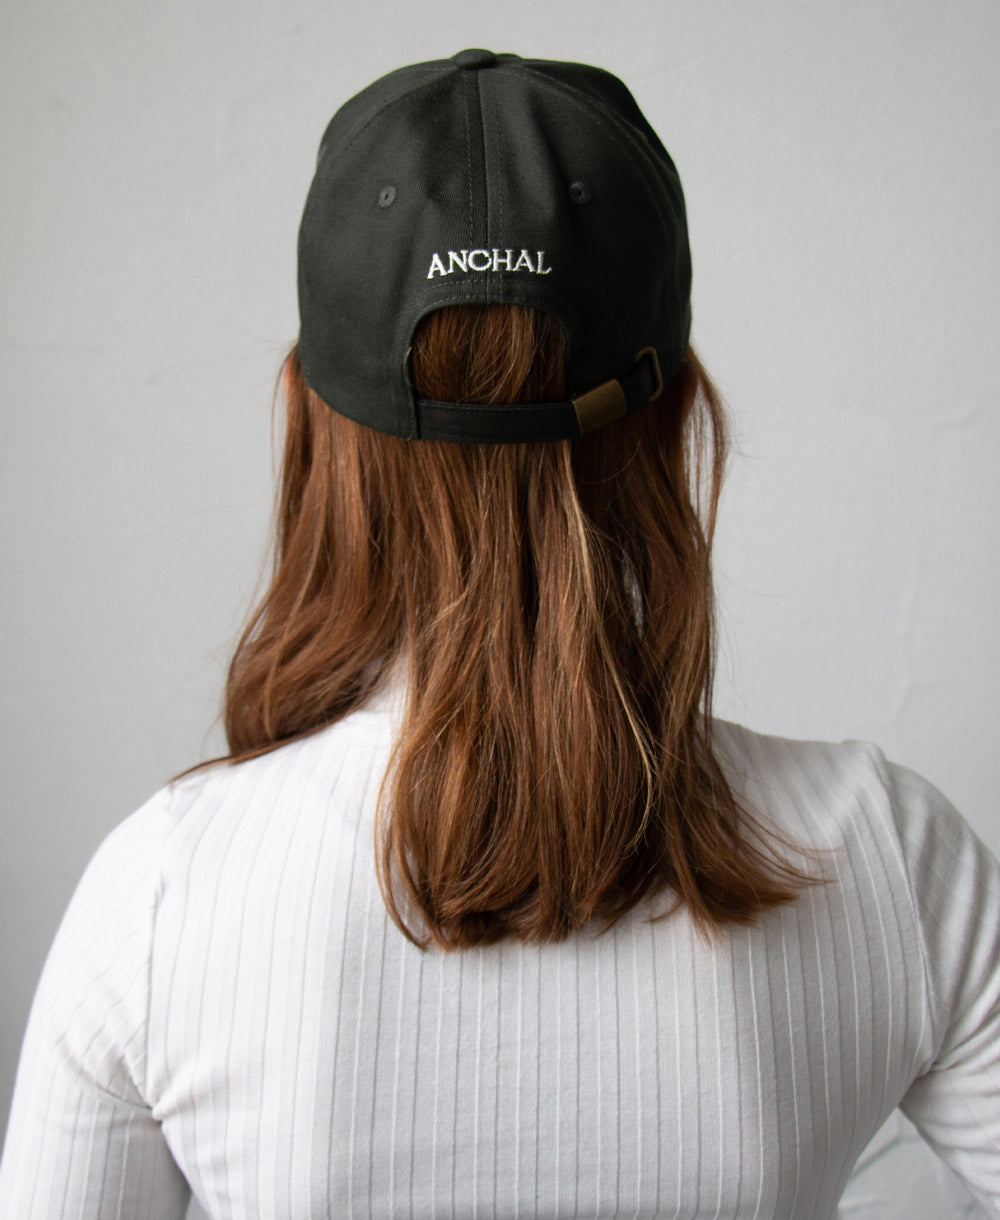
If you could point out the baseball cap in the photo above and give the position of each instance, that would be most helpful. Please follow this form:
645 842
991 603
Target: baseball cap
493 179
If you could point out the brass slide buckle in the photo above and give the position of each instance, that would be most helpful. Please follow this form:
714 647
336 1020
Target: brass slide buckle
606 402
599 406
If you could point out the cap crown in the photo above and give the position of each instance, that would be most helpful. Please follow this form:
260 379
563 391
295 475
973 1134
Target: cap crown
488 179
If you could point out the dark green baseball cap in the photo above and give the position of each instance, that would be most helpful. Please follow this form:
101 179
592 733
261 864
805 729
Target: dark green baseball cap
492 179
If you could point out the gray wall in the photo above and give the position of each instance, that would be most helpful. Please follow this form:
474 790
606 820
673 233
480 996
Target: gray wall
842 167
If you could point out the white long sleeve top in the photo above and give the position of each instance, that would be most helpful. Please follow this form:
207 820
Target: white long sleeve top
227 1008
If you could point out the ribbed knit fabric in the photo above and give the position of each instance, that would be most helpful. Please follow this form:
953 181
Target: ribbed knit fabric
227 1005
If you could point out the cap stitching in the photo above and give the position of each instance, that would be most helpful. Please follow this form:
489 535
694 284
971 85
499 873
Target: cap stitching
497 137
486 174
468 157
501 409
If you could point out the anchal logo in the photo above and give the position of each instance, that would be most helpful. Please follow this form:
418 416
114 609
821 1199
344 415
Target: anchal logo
488 260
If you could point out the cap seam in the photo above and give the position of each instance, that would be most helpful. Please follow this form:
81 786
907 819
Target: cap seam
487 184
468 160
497 137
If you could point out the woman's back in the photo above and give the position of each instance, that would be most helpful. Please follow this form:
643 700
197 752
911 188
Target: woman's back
244 987
352 967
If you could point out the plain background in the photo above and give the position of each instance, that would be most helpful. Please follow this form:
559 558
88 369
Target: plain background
841 164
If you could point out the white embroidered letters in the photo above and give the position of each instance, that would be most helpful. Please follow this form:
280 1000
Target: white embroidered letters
488 260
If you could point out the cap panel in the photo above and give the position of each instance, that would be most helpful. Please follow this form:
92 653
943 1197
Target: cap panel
606 100
360 263
608 213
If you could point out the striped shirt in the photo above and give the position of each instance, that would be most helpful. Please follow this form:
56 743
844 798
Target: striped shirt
227 1008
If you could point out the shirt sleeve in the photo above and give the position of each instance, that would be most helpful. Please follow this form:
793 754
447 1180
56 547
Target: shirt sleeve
82 1140
955 887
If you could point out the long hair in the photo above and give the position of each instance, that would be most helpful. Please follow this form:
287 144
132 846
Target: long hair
552 605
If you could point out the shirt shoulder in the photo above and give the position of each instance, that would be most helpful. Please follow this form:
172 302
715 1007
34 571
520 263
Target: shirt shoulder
90 1006
827 794
916 853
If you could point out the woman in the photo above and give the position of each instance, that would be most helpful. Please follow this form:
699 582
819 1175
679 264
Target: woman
484 913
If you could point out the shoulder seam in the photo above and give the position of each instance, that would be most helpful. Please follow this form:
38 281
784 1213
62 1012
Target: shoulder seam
932 1001
144 1091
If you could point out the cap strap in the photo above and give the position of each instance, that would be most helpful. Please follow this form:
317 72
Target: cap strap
509 422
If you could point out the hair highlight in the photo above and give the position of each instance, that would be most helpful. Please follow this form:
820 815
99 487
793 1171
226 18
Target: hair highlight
552 604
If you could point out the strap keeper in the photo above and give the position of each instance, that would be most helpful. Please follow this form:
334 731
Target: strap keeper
651 353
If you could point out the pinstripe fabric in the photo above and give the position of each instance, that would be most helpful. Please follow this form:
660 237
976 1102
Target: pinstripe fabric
227 1007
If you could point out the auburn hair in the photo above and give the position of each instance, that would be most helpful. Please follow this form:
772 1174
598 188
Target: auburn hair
552 605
